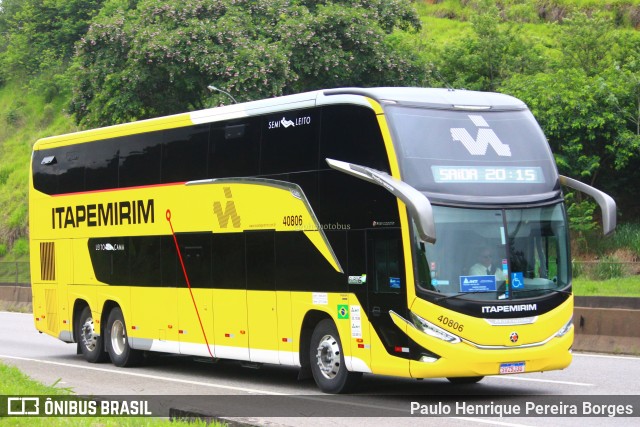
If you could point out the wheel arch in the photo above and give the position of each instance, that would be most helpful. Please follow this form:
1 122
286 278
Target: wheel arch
311 319
106 309
78 305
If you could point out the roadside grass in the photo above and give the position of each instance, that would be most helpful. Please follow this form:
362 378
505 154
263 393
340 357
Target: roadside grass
15 383
616 287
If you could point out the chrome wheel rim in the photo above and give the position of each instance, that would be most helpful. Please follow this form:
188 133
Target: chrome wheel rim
118 337
89 336
328 357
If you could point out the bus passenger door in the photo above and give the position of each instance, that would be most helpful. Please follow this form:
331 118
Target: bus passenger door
262 310
387 291
360 336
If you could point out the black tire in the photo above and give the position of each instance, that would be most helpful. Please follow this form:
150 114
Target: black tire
327 360
90 342
117 343
464 380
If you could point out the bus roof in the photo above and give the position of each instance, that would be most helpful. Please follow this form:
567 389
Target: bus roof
425 97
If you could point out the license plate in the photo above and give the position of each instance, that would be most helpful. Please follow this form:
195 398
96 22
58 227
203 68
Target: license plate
511 368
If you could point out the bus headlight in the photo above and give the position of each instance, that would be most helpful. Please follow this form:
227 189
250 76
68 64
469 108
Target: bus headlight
566 328
433 330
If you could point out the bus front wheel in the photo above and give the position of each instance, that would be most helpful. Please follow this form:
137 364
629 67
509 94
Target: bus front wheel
117 343
89 339
327 360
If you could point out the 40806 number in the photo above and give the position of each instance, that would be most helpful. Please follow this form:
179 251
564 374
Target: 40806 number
451 323
292 220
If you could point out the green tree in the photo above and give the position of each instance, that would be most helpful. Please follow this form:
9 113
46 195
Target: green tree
588 104
158 58
41 31
493 52
39 37
586 42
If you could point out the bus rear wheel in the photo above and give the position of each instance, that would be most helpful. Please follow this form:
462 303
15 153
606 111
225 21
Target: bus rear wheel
327 360
117 343
89 340
464 380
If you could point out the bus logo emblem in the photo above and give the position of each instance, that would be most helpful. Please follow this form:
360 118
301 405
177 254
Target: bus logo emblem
486 137
229 211
513 337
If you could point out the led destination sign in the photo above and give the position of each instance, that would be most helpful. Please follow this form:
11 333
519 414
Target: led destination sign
487 174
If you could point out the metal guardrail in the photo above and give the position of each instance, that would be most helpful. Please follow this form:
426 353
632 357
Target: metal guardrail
16 273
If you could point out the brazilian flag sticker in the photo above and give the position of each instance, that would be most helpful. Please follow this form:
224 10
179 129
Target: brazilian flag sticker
343 311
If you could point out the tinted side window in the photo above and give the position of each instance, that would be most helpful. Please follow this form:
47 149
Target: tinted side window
195 249
260 260
234 148
228 261
101 165
290 142
71 163
139 161
59 170
45 171
301 267
184 154
352 134
352 203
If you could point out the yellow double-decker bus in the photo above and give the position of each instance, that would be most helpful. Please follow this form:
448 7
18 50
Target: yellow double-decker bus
397 231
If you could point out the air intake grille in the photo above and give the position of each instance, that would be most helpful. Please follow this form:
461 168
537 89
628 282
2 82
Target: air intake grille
47 261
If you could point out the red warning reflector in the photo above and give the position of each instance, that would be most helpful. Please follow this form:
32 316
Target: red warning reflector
360 345
399 349
182 332
134 328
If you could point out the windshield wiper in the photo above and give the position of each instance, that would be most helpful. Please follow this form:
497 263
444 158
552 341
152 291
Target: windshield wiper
461 294
543 289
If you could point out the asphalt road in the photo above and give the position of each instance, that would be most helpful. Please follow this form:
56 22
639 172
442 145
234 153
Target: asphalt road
272 395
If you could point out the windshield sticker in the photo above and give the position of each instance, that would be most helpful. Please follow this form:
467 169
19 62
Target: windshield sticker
394 282
517 280
356 322
478 284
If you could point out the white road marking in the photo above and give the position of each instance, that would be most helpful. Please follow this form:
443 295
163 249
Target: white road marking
152 377
606 356
492 422
537 380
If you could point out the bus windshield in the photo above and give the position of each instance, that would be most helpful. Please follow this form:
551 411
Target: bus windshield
495 254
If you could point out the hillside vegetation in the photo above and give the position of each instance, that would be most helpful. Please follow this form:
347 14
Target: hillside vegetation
73 64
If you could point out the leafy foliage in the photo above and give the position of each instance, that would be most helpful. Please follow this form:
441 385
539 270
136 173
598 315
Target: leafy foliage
158 59
494 52
577 68
40 34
